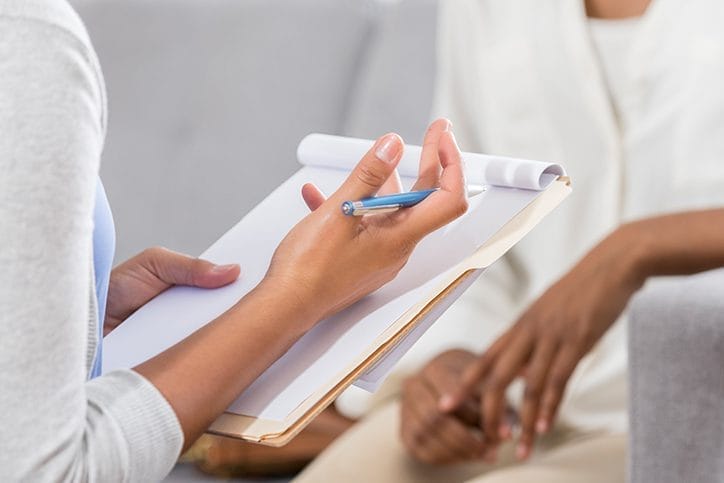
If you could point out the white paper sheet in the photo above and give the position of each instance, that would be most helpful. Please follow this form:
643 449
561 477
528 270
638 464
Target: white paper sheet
323 150
315 359
373 378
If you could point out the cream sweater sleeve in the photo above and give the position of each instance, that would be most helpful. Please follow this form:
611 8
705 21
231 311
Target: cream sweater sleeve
54 425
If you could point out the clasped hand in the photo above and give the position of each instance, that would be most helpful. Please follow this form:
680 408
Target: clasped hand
543 348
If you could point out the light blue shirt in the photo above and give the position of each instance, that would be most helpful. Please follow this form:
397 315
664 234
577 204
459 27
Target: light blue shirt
104 247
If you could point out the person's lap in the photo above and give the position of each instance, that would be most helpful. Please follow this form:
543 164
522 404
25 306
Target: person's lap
372 451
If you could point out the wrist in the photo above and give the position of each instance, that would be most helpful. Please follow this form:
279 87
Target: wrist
286 305
637 254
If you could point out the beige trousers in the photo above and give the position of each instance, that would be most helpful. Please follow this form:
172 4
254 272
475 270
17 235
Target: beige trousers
372 452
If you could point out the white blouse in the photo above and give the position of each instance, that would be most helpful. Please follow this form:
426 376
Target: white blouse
527 79
611 40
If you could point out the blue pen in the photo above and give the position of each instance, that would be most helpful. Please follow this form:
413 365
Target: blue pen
385 204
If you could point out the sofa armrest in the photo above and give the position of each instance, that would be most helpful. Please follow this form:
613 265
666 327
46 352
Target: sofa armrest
676 358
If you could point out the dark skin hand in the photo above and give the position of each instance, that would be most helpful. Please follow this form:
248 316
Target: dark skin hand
546 344
430 435
433 436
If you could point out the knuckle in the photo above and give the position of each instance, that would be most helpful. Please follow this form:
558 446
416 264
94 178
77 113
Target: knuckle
196 268
405 246
371 174
197 265
532 392
154 252
429 175
547 409
461 207
153 258
494 384
558 382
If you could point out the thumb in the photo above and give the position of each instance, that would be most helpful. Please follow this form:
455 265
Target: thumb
373 170
313 197
177 269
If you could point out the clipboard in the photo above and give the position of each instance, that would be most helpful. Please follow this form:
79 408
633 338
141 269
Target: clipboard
278 433
369 334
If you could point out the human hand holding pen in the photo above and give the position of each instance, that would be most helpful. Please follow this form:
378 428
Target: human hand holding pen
325 263
336 259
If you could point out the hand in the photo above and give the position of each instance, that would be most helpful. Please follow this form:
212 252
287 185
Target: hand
326 262
329 260
545 345
141 278
429 434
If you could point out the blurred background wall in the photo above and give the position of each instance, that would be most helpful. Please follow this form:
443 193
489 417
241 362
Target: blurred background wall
209 98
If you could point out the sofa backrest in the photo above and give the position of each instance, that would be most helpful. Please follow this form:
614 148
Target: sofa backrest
395 88
209 98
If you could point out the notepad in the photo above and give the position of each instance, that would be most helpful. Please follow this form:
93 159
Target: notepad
362 343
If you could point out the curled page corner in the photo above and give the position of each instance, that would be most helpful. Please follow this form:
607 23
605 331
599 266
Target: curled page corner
337 152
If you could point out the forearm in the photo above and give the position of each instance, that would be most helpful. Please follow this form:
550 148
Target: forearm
677 244
204 373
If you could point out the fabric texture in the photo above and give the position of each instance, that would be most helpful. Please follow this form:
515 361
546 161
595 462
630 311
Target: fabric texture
677 381
372 451
56 425
611 39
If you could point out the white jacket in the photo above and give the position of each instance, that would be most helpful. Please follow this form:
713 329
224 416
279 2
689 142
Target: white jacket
521 78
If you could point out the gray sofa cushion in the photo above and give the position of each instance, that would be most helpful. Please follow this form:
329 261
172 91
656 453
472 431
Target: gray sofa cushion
395 89
677 381
208 100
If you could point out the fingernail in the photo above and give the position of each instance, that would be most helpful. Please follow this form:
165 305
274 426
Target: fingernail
541 426
446 402
224 268
388 147
504 432
448 125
